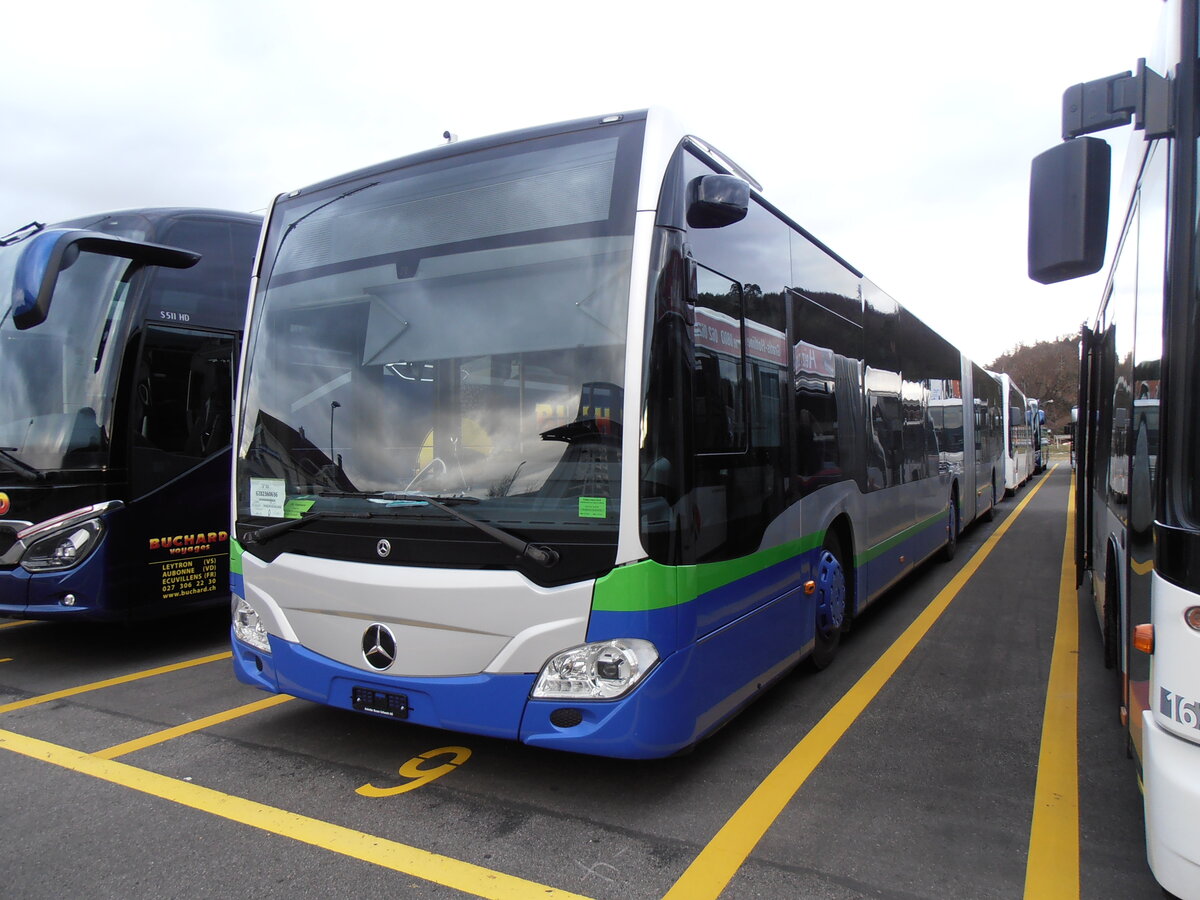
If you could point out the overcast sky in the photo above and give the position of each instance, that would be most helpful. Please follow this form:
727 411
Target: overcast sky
900 133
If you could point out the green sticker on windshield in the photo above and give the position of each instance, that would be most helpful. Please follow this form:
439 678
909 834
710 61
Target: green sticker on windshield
294 509
593 507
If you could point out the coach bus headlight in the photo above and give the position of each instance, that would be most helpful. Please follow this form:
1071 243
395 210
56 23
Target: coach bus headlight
601 671
247 626
63 549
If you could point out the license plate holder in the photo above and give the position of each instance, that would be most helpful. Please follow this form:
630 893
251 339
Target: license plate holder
382 703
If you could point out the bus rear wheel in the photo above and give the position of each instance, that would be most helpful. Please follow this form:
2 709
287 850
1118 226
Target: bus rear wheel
990 513
951 545
830 605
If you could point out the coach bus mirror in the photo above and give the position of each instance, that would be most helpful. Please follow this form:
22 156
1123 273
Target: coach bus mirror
56 250
1068 210
715 201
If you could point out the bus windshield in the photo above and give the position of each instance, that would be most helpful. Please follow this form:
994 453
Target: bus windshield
452 328
59 377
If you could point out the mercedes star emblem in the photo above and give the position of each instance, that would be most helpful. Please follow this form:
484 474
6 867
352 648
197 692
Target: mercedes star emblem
383 548
379 646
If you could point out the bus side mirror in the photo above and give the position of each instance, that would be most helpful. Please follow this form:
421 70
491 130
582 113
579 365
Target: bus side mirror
715 201
1068 210
56 250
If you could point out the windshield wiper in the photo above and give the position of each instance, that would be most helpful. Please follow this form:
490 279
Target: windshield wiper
411 496
261 535
538 553
20 467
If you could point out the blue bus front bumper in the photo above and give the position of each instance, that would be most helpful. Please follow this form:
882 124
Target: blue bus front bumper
77 593
642 725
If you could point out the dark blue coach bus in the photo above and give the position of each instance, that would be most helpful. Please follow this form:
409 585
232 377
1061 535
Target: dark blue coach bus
118 344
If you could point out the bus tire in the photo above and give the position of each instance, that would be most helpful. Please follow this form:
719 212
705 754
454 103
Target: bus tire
990 513
1112 627
830 604
951 545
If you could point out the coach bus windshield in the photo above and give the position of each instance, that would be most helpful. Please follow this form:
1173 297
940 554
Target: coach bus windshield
453 328
59 377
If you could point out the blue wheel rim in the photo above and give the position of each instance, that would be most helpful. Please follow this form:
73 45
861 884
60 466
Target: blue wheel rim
831 594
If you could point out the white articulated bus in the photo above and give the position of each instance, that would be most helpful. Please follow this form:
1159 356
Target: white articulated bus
570 436
1018 435
1137 438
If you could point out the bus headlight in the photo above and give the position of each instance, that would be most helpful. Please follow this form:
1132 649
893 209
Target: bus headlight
601 671
248 627
63 549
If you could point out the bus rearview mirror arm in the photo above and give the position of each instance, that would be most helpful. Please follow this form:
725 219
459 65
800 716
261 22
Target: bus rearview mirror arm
52 252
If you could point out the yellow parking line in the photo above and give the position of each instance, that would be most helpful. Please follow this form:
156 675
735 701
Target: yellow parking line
110 682
169 734
720 860
433 867
17 624
1052 868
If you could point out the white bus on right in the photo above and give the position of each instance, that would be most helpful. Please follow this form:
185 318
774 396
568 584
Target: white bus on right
1137 441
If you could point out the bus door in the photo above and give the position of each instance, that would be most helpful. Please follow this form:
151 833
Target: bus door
180 415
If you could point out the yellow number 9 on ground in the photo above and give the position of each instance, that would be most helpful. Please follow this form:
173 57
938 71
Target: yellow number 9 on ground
414 769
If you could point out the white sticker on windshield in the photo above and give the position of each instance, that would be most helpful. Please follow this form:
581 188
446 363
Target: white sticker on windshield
267 496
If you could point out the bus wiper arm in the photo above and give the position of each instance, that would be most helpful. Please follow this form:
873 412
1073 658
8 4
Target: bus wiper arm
261 535
22 468
540 554
401 495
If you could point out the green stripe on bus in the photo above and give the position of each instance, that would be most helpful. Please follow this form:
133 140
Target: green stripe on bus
649 585
235 557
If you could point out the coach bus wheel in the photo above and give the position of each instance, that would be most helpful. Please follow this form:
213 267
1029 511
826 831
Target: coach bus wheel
830 596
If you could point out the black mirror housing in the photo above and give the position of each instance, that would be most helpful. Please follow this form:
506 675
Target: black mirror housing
1068 210
715 201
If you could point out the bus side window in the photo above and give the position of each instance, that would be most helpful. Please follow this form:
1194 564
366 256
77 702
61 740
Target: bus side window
719 413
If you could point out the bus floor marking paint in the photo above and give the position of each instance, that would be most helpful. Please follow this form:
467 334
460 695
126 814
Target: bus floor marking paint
420 776
433 867
111 682
1052 869
721 858
169 734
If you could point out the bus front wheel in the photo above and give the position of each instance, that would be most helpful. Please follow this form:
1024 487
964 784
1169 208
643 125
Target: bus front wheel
830 605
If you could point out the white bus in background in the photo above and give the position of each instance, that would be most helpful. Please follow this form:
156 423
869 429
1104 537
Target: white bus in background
1018 435
1036 417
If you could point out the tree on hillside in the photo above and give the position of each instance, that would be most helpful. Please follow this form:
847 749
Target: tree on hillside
1047 371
